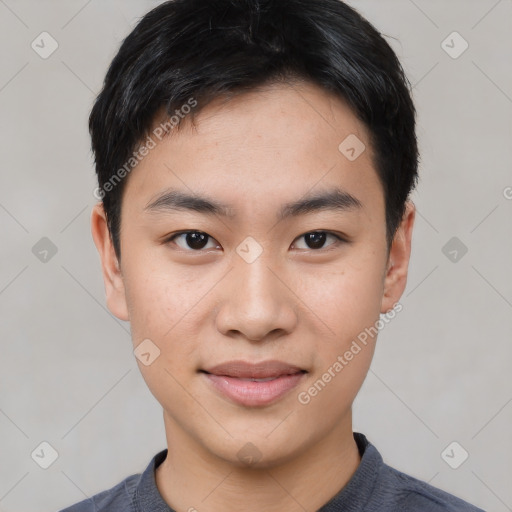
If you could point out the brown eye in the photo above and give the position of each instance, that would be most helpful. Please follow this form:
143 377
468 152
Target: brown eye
193 240
317 240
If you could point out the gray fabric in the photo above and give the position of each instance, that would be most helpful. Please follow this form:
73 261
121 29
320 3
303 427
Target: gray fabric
374 487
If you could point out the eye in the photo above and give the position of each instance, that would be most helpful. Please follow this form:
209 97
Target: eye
317 240
193 240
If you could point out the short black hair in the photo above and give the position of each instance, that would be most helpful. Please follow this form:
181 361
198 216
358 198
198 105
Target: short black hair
205 49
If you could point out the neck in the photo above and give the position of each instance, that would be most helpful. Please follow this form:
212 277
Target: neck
191 478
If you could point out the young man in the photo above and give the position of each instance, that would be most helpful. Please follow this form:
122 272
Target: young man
255 159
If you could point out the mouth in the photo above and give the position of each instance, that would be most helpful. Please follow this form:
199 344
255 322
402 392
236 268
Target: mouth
254 385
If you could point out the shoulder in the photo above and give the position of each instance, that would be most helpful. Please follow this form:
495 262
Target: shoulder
412 494
133 494
117 499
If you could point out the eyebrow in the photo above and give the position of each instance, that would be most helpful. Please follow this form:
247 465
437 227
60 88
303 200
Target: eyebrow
331 200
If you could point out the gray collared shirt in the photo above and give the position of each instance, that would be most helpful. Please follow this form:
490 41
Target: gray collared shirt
374 487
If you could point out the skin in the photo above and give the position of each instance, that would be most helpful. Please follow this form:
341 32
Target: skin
294 303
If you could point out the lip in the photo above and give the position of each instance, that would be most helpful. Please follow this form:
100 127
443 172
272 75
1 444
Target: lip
261 370
232 380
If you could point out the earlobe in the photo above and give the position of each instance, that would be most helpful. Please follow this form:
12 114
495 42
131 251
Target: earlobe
398 260
112 277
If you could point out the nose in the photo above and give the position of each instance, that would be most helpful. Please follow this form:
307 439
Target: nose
257 304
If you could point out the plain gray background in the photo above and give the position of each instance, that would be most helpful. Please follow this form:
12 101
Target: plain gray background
442 368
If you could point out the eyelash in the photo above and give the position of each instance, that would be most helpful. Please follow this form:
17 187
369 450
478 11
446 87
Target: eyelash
339 239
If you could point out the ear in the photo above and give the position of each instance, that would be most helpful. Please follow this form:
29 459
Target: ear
112 277
398 260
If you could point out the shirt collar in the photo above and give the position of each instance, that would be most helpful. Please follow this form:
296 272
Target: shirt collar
350 498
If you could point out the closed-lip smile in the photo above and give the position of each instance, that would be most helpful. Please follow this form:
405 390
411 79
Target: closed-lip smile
254 384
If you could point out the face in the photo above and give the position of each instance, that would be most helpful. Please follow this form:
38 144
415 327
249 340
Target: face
251 237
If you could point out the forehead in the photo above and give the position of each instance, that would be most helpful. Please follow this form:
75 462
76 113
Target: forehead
278 140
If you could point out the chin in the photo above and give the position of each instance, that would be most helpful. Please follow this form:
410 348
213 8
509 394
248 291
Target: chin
255 451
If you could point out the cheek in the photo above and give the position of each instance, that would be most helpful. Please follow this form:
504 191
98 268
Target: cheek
153 308
348 303
347 296
160 296
169 305
164 309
